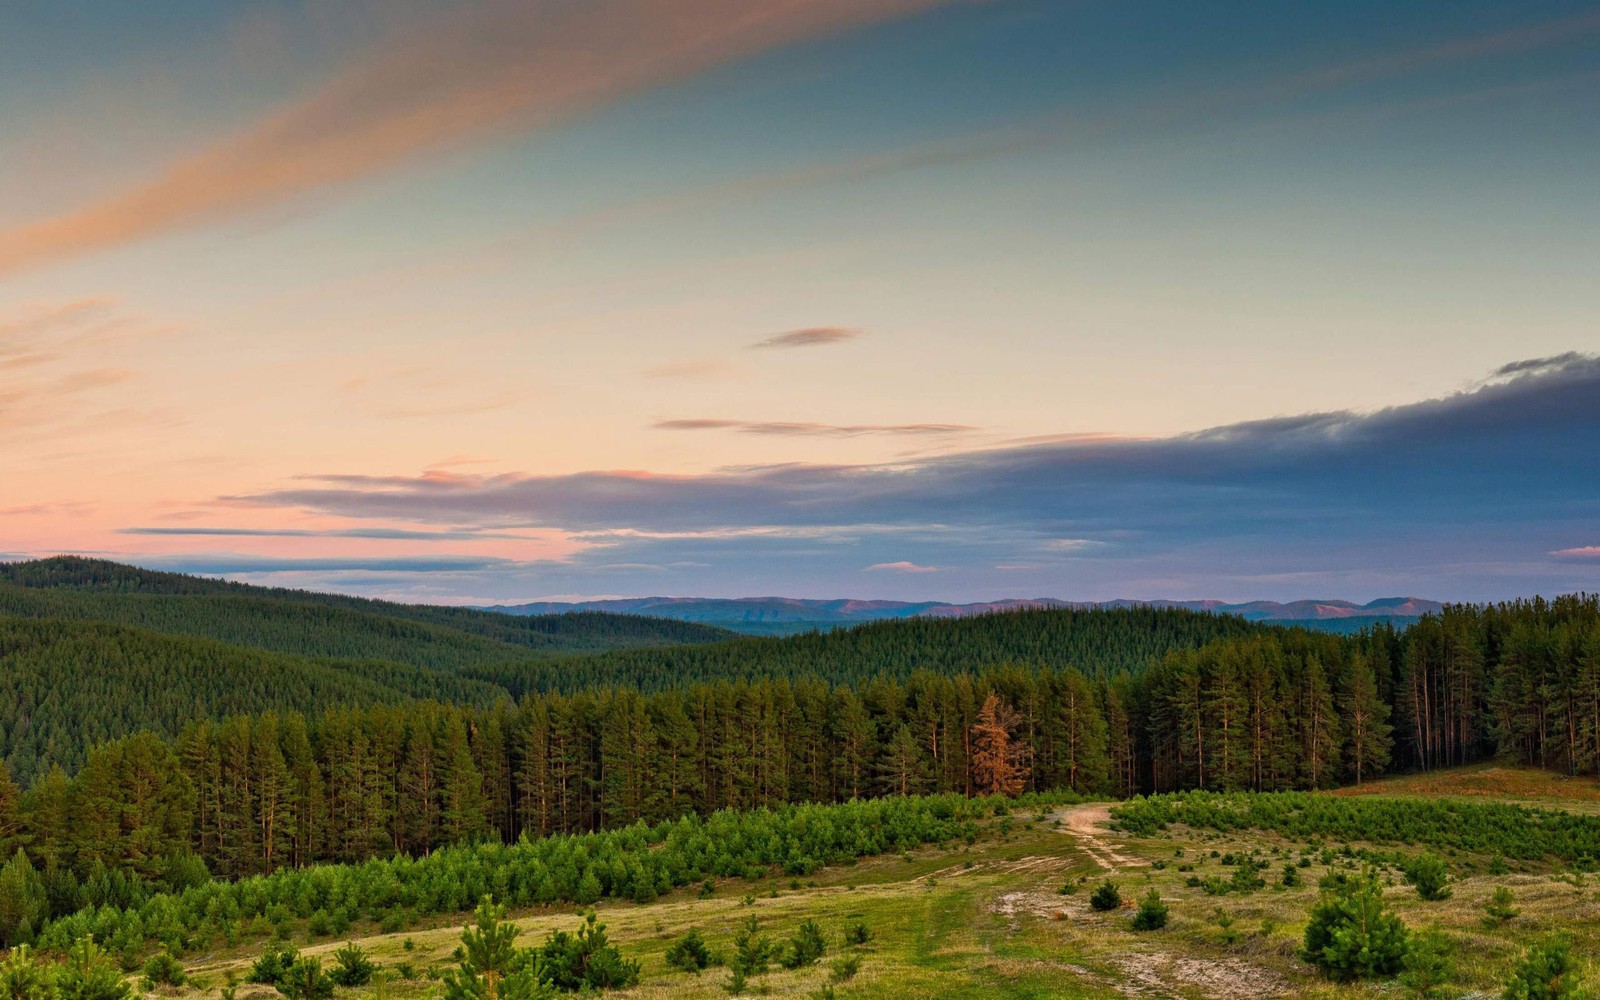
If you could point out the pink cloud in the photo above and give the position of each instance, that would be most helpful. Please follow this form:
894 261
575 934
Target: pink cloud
474 73
902 566
1585 552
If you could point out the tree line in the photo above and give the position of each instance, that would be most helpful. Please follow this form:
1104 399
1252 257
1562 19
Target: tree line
1265 709
638 862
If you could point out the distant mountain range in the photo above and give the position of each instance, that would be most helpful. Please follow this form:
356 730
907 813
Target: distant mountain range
787 615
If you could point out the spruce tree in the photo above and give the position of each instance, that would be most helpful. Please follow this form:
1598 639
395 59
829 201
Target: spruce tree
22 900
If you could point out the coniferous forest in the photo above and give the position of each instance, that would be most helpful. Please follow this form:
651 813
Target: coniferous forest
142 757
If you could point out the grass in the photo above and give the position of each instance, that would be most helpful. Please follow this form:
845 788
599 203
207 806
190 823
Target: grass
1520 785
987 921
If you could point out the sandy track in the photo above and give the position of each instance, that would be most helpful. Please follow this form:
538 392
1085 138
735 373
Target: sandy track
1087 823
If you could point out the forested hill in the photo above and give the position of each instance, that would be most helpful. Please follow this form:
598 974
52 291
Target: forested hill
67 685
304 623
1097 641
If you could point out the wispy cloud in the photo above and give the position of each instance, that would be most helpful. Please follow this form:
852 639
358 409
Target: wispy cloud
691 370
1585 553
58 359
902 566
473 73
779 428
379 534
813 336
224 564
1386 494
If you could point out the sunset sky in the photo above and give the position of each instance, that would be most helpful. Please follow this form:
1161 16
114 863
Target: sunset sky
490 301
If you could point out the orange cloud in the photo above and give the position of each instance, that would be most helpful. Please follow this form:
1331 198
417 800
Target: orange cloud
501 65
804 429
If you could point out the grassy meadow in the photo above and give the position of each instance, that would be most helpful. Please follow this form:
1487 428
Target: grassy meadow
991 919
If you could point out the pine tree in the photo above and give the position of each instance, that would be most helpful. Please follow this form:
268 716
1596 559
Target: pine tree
999 760
1084 765
464 806
1366 720
22 900
901 770
492 967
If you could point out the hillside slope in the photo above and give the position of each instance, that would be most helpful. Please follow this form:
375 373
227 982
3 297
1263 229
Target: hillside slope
1095 641
790 616
67 685
304 623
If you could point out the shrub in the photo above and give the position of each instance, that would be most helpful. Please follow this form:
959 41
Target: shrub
21 978
689 953
1291 876
1430 875
88 975
752 950
845 967
1426 967
271 964
1352 934
355 968
585 960
1152 915
1545 972
163 969
1225 921
857 935
305 980
1106 897
319 924
806 946
1498 909
490 964
1247 876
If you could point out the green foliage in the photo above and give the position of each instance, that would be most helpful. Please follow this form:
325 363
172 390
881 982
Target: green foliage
1545 972
354 967
305 980
22 900
586 960
805 947
844 968
491 966
1246 876
1102 641
1106 897
1152 915
1352 934
88 975
163 969
1426 967
753 951
1474 827
1225 921
690 952
857 935
1430 875
24 978
544 870
270 966
1500 907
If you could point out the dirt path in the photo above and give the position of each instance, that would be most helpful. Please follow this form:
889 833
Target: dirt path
1087 824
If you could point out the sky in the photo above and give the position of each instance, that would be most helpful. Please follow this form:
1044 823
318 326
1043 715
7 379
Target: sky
490 301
